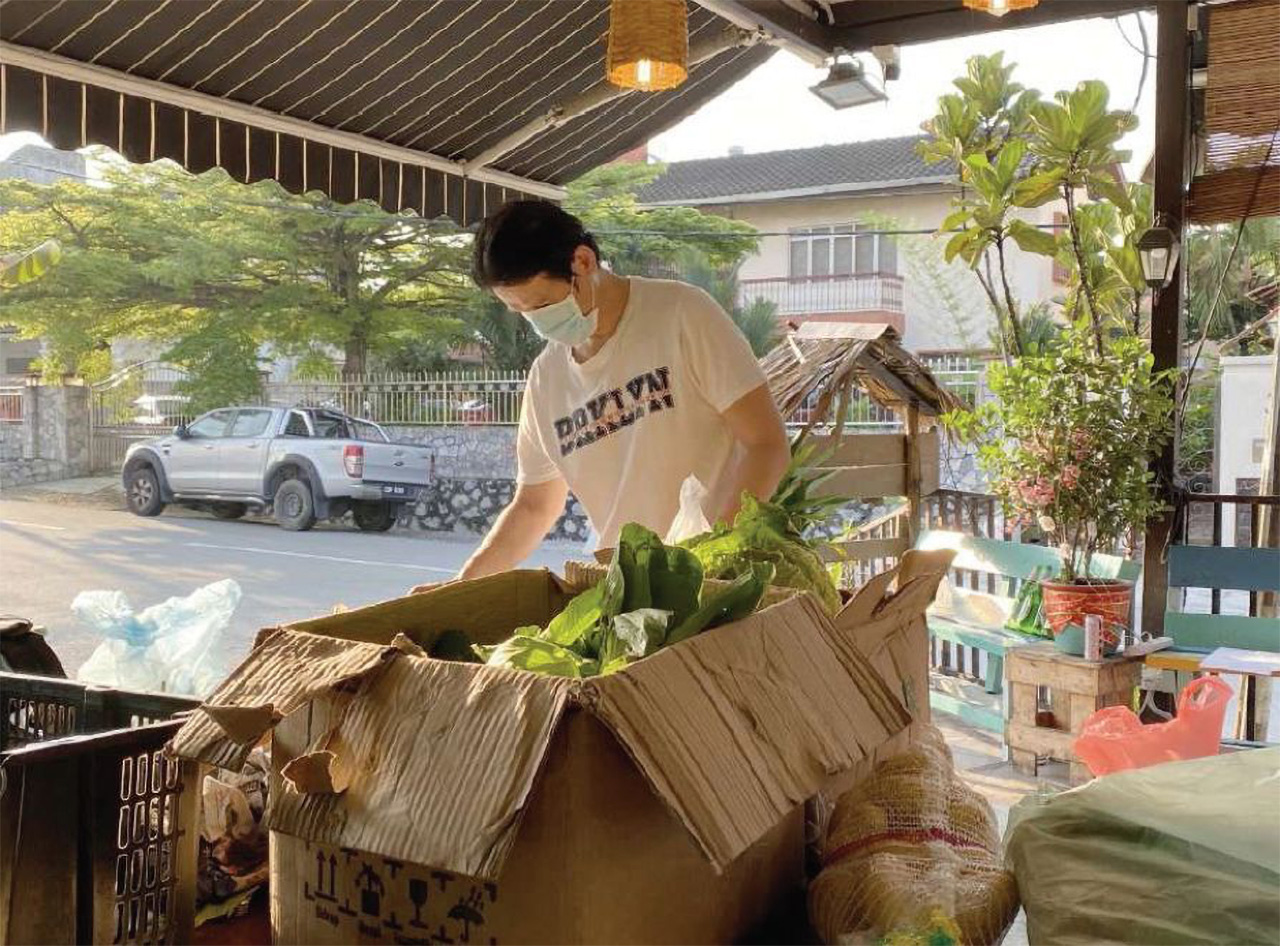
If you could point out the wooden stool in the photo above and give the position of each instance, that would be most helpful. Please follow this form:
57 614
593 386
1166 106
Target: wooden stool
1077 687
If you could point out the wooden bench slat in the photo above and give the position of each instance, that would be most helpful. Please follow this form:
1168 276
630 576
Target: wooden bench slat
1236 569
987 639
1210 631
861 550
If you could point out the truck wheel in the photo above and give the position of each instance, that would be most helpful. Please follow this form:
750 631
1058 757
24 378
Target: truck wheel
374 516
144 492
228 510
295 508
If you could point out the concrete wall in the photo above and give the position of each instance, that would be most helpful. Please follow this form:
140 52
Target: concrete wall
1244 412
53 439
11 437
927 281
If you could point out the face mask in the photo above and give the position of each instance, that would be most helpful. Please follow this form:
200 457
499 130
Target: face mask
564 321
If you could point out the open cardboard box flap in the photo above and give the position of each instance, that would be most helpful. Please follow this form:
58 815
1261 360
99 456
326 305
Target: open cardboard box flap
435 762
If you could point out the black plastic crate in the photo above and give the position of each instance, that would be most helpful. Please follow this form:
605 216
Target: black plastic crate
98 827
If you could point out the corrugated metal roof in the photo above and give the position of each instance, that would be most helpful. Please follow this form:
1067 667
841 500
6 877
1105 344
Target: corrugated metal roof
887 161
444 79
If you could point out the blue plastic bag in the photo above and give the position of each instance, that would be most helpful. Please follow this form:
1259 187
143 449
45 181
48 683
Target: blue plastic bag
177 646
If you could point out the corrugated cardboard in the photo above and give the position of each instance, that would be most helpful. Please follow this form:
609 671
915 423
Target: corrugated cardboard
594 808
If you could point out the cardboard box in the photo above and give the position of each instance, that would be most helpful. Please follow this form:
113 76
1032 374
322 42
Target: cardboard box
422 800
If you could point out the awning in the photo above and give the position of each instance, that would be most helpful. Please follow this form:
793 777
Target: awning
433 106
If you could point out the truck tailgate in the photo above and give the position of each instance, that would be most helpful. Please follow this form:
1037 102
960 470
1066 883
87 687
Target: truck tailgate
396 463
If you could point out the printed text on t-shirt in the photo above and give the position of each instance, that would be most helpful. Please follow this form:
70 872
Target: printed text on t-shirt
607 413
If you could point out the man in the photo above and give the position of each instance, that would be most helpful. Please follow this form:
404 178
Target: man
642 383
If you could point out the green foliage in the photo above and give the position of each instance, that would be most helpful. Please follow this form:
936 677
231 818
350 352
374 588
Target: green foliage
605 200
763 533
208 266
18 269
651 597
508 341
1250 278
757 320
1014 152
1069 441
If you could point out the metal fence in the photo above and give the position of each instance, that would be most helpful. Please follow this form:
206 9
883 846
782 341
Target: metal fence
11 404
438 398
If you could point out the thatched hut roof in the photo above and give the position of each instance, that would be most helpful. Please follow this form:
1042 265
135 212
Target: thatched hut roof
830 358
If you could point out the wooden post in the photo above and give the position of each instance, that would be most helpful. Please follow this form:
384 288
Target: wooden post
1173 45
912 448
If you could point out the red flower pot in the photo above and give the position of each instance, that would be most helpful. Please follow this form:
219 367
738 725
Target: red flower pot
1068 602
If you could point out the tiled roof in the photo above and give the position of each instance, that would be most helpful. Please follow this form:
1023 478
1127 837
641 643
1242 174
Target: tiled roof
827 169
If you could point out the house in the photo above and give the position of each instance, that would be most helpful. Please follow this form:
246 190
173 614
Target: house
824 254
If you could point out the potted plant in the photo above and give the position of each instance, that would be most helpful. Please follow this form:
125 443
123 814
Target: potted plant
1067 443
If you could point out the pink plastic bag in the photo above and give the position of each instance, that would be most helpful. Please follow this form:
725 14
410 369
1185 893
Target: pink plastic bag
1114 739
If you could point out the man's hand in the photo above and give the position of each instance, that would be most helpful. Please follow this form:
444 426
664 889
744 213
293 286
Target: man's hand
519 530
762 459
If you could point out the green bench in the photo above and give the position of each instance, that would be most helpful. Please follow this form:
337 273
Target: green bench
969 614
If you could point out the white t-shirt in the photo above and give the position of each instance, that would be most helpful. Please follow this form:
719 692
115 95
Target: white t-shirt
626 427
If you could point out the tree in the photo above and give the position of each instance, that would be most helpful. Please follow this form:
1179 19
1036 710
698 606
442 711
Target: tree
195 262
633 239
757 319
1015 151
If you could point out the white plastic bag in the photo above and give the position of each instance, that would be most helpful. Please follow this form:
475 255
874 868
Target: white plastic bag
177 646
690 520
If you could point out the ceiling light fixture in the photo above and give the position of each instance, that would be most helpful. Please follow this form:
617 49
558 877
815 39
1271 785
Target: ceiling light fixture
847 84
648 44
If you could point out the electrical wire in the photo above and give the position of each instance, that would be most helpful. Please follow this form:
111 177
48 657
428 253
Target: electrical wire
445 223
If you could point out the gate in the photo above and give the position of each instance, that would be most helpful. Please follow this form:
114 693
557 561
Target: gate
137 403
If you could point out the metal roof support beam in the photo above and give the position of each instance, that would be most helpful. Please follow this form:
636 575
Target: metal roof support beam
731 37
215 107
781 25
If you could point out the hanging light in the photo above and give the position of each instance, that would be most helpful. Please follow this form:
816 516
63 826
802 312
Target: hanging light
999 7
847 84
1158 250
648 44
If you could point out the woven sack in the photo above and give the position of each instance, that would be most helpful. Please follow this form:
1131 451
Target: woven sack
913 856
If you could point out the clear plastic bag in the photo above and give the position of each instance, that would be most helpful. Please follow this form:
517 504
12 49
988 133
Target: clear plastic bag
177 646
690 520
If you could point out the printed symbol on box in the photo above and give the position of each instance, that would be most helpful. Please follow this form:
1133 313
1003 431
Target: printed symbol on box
418 891
467 912
442 877
441 936
371 890
323 891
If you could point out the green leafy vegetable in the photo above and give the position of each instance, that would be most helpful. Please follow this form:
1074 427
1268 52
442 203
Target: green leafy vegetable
731 604
525 652
763 532
453 645
651 596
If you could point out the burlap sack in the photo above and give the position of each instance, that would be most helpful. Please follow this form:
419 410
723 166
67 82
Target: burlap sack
912 855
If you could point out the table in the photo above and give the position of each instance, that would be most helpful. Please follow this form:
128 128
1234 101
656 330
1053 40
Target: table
1077 689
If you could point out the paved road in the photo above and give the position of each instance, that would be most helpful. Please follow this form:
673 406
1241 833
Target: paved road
49 553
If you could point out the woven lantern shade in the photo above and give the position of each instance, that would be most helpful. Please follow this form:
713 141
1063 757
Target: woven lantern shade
648 44
999 7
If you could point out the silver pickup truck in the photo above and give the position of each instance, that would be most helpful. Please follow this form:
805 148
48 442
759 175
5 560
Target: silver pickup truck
302 463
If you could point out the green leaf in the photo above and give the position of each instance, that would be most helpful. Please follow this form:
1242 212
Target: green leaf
957 218
579 616
675 580
732 604
1032 239
535 654
640 633
1037 190
637 547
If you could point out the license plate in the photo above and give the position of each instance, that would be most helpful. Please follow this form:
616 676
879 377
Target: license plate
390 490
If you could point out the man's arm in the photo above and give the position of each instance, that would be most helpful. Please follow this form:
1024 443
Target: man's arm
519 529
763 456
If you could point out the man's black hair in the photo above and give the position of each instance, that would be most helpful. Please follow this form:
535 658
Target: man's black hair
525 238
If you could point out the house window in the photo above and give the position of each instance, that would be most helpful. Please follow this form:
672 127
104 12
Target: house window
840 250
